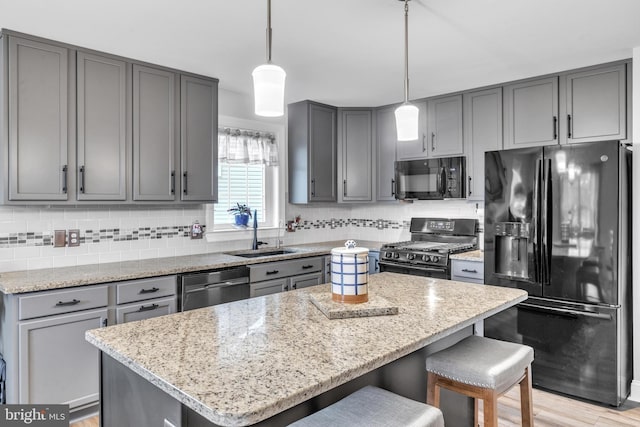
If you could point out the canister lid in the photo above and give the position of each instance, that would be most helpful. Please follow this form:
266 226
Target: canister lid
349 249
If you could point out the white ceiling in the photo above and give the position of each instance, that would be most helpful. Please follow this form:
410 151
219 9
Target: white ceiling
345 52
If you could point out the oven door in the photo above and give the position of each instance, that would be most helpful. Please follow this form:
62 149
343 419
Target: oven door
424 179
435 272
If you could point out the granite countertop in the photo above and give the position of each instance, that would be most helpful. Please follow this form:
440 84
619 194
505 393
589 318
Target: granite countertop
16 282
476 255
242 362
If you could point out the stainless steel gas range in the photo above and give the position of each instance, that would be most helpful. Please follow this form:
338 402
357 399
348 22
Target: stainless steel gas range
432 241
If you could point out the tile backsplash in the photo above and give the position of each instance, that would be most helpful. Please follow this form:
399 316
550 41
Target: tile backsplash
112 234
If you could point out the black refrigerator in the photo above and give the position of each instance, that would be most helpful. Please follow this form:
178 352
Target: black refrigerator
557 224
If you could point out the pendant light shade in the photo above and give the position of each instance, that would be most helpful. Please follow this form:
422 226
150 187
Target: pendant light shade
407 114
268 88
407 122
268 82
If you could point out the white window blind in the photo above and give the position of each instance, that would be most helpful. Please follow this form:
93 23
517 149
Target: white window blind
240 183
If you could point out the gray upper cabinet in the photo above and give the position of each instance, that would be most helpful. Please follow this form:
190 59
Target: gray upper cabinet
531 113
154 134
355 155
416 149
199 139
38 104
445 126
596 105
102 128
386 138
482 132
312 134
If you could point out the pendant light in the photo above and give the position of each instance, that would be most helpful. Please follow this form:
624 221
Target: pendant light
406 114
268 82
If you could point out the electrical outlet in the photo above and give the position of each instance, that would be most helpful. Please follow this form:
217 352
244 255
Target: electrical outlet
74 238
59 238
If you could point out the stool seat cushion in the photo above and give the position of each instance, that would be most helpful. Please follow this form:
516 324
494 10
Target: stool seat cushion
482 362
374 407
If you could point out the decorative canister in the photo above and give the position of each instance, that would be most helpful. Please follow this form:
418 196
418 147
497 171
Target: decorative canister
350 274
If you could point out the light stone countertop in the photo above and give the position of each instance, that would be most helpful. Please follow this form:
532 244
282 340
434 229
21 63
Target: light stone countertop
240 363
16 282
476 255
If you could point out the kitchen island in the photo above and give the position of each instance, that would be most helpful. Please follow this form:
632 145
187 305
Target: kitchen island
276 358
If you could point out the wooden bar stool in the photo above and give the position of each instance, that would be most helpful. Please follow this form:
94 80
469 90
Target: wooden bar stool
374 407
482 368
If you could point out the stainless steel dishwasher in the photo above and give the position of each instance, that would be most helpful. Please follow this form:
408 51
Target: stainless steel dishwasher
214 287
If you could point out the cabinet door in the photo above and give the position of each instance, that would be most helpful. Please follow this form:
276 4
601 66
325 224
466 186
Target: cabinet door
305 280
356 147
482 132
531 113
322 152
269 287
38 126
414 149
154 139
596 105
374 262
57 365
199 139
145 309
445 126
102 128
385 154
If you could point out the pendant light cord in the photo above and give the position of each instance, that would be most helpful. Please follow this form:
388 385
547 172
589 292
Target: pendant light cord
406 50
268 31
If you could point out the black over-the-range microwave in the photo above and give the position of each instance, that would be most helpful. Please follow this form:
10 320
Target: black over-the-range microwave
430 179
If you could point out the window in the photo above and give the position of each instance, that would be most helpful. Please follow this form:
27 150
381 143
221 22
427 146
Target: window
240 183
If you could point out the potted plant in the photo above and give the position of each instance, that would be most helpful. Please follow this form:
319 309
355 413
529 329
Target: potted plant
242 214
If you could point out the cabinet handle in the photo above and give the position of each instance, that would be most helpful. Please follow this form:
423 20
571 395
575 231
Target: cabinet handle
82 179
393 187
67 303
306 267
424 148
286 287
433 141
148 307
64 179
268 273
313 187
377 265
105 322
469 271
149 291
469 185
555 127
173 182
344 188
184 176
569 126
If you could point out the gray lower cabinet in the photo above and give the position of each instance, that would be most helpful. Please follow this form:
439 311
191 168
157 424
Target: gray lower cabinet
38 127
374 262
355 152
145 298
269 287
306 280
386 140
199 139
273 277
482 133
596 105
416 149
102 118
531 113
445 126
312 145
154 134
145 309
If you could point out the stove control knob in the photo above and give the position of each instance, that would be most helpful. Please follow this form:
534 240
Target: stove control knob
388 254
435 259
425 258
396 255
410 256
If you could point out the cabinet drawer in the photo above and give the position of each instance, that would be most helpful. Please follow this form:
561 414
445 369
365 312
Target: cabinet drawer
275 270
269 287
462 270
143 289
306 280
146 309
59 302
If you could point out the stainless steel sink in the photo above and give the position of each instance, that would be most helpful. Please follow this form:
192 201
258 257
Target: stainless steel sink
258 254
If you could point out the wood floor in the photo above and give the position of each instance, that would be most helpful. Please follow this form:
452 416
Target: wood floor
549 410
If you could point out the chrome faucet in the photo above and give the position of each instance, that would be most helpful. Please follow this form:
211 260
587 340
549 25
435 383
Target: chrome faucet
256 243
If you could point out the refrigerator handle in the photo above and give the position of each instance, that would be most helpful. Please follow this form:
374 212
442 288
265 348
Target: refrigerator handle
567 312
537 199
546 223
